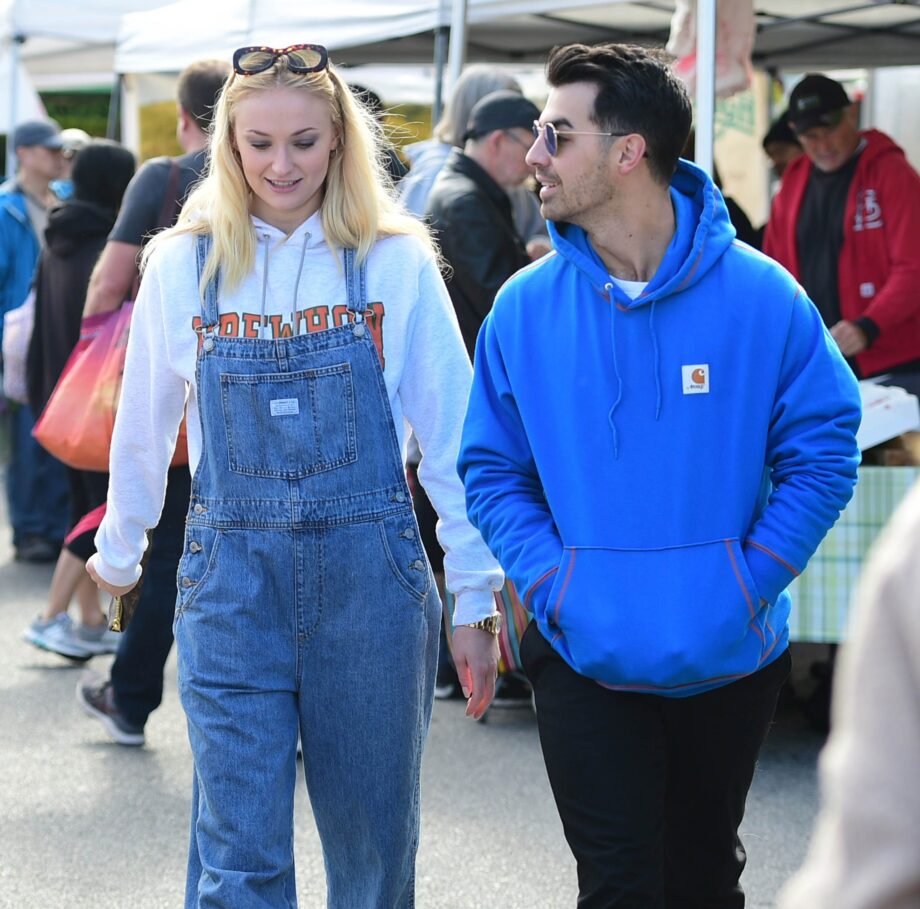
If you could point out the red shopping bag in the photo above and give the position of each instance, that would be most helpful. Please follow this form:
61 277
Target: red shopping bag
77 422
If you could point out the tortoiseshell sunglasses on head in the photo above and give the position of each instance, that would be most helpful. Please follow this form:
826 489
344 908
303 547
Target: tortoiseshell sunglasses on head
301 58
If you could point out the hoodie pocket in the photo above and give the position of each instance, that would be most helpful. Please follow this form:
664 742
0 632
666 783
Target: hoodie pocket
662 619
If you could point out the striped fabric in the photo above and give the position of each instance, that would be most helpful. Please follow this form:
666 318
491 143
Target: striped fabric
515 622
821 595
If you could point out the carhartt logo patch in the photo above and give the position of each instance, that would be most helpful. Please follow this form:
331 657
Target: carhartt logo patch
284 407
696 379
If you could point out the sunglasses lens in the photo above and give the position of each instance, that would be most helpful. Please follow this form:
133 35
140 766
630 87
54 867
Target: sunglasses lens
254 61
548 131
305 59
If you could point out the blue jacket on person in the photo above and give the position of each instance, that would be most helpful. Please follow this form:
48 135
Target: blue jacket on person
19 250
653 473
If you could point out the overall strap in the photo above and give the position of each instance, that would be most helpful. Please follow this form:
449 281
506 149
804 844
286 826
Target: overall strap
355 285
209 314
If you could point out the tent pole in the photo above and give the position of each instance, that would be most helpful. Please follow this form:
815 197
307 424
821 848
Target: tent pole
113 124
457 53
16 43
705 82
441 34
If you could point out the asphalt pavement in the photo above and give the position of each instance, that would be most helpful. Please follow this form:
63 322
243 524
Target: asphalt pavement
87 823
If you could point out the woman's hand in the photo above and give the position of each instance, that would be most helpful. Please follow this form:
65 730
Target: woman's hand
105 585
475 655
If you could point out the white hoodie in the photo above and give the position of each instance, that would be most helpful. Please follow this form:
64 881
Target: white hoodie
297 283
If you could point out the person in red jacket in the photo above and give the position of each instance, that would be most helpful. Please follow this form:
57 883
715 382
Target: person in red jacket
845 223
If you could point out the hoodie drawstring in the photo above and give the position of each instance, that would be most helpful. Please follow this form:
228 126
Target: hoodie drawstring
303 256
651 328
611 415
264 286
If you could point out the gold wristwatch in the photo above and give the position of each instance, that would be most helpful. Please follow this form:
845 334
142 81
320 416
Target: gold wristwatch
491 623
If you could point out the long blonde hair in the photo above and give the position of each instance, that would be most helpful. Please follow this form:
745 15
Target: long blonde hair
358 205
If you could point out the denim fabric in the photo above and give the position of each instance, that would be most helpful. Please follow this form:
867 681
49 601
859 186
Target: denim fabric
137 673
305 604
36 485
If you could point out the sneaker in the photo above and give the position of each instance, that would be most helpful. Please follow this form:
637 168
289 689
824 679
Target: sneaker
97 699
447 691
57 635
37 549
97 639
512 690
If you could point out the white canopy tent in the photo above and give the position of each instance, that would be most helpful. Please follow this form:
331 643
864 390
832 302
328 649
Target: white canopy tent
44 41
796 34
20 101
65 41
801 34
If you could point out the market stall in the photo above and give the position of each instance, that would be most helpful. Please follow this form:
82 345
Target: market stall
792 34
888 437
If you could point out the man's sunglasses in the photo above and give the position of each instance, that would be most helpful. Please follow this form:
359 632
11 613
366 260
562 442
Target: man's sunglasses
301 58
551 135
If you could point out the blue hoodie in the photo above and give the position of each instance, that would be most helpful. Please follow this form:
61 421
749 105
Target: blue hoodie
19 249
652 473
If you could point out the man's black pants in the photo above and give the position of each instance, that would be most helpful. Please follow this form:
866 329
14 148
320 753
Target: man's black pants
650 789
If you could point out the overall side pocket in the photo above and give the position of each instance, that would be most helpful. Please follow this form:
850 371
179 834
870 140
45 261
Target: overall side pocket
199 556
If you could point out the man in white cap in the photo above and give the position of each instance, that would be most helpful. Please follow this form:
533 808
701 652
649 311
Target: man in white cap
36 483
74 139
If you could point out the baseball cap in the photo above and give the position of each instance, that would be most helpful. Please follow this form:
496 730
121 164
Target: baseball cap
46 133
74 139
500 110
816 101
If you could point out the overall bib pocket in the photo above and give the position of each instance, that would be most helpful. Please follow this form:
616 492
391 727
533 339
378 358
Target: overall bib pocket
658 619
290 425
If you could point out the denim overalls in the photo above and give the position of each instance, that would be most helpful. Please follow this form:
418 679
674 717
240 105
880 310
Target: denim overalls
305 602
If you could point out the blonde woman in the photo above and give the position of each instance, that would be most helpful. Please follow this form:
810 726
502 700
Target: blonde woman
301 313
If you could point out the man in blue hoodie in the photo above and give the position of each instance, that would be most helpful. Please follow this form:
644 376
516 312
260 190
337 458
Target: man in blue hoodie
659 435
36 484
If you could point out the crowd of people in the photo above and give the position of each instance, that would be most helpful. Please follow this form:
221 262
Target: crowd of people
539 358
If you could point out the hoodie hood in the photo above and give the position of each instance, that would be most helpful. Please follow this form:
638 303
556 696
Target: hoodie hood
72 225
703 232
429 153
308 234
279 251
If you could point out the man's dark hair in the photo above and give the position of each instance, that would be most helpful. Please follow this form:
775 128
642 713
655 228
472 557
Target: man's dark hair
101 172
369 98
637 93
198 87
